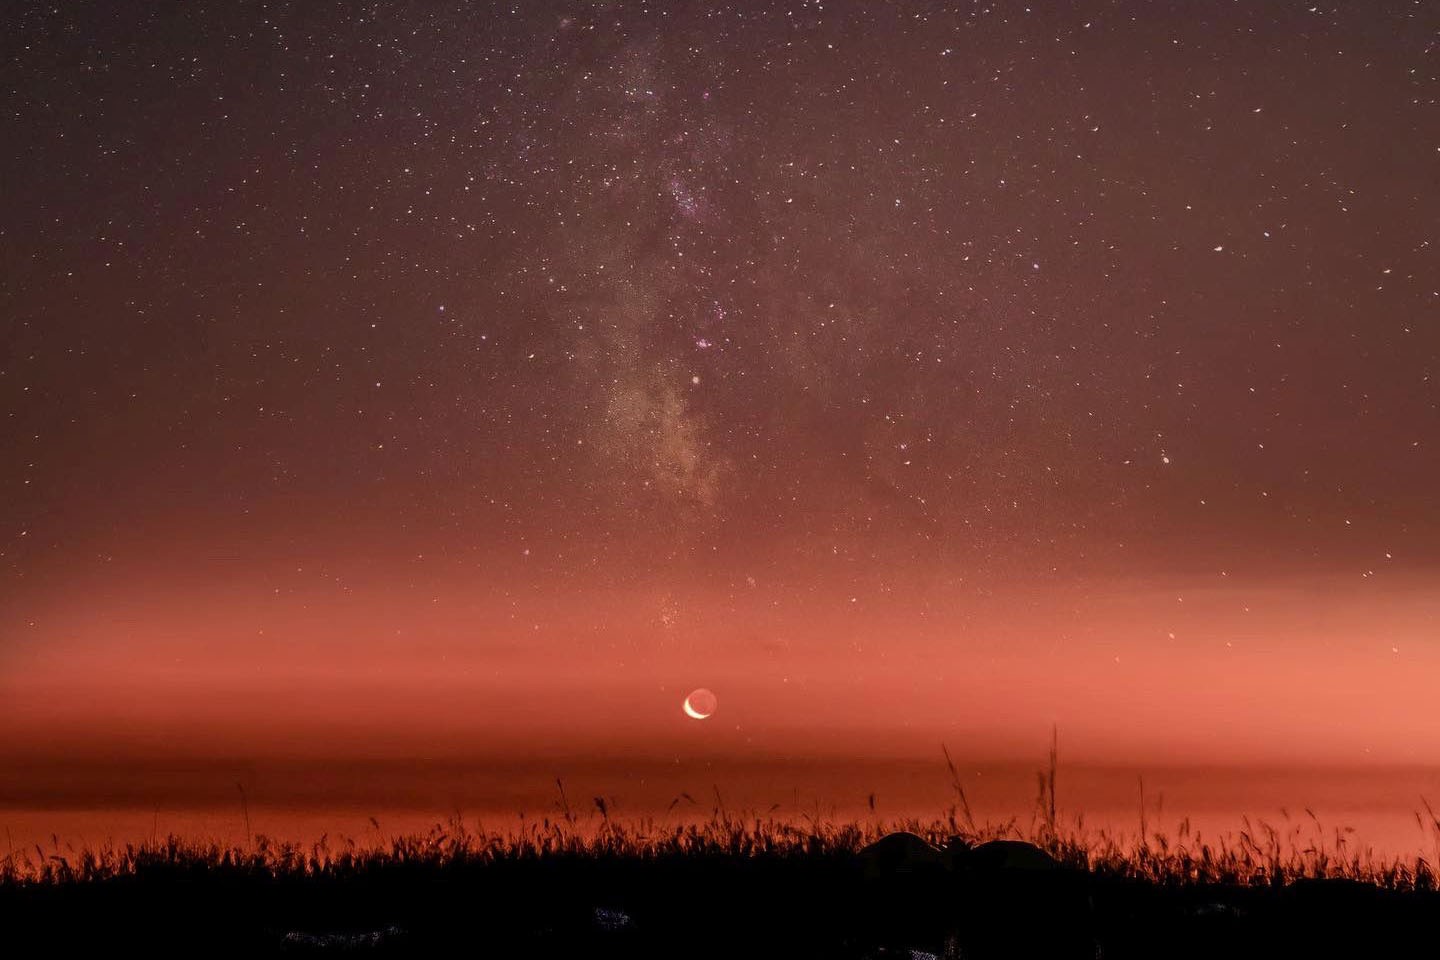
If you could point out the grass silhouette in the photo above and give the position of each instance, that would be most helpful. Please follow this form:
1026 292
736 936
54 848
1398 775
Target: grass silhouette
734 883
1260 853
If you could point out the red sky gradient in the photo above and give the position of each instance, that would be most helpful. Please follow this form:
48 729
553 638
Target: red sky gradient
1210 672
465 383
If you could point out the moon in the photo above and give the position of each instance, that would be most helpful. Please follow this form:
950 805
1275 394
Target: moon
700 704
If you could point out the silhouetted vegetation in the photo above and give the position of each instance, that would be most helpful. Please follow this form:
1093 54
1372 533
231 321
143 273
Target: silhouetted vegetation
729 886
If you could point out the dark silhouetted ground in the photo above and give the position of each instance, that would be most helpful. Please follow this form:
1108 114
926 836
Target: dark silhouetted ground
726 889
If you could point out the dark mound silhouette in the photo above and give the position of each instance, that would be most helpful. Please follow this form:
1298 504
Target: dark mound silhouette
730 889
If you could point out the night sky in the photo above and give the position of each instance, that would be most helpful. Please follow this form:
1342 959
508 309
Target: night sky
474 378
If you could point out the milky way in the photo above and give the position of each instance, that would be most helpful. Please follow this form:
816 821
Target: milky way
782 342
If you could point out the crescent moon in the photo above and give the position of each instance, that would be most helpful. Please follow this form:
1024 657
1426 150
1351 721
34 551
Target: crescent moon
704 708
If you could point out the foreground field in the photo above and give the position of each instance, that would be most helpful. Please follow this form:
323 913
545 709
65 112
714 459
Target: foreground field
729 887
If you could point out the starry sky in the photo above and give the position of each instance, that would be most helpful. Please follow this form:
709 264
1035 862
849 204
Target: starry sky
482 377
